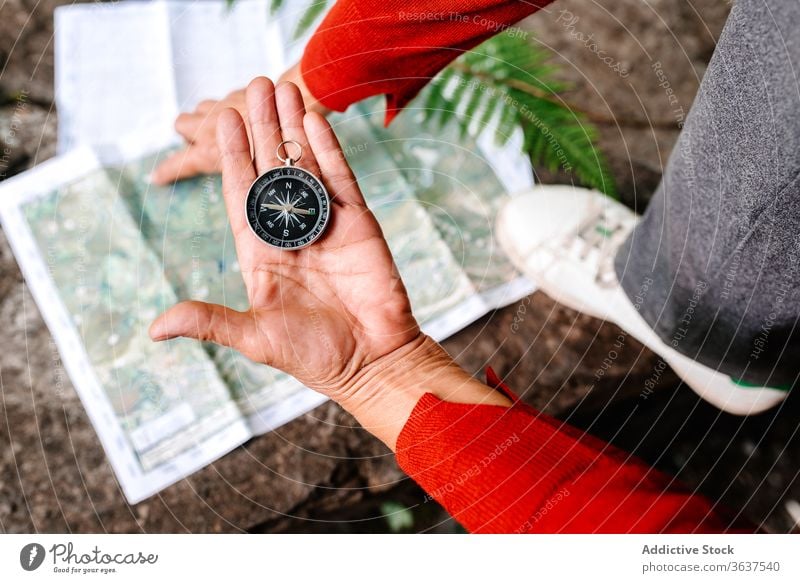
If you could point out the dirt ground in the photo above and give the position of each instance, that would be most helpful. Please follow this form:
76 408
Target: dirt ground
321 473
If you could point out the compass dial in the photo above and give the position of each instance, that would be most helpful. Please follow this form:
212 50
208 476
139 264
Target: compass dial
287 207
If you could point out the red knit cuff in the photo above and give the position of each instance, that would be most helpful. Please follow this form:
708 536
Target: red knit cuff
494 381
342 62
371 47
332 82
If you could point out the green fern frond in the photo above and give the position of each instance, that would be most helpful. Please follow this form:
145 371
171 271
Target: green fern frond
274 6
309 17
474 101
507 83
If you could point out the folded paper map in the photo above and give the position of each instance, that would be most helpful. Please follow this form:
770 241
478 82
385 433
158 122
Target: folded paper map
104 252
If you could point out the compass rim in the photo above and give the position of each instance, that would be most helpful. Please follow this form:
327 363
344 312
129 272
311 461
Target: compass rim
325 213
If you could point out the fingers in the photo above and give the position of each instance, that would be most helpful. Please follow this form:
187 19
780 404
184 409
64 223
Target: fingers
335 170
188 125
190 161
264 126
238 172
207 322
290 114
206 105
195 158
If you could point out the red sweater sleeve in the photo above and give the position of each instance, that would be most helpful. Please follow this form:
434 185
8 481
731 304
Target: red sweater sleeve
515 470
394 47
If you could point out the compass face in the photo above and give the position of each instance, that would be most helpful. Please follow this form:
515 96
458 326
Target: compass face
287 207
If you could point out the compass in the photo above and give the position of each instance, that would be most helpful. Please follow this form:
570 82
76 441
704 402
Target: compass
287 207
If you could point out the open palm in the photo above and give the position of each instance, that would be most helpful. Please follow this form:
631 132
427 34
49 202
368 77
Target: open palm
321 313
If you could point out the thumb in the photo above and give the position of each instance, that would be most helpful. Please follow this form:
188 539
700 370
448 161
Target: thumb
202 321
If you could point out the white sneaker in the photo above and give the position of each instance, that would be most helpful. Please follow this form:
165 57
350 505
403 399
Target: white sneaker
565 238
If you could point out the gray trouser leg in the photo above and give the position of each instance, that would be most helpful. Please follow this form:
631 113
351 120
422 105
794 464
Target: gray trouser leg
715 263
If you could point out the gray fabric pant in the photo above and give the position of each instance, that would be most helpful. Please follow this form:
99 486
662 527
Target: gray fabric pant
714 266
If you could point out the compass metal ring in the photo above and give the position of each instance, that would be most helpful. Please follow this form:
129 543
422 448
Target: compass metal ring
288 160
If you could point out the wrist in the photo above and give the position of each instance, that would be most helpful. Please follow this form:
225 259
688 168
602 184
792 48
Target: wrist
383 394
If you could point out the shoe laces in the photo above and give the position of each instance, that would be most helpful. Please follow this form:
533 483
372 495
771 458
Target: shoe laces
602 231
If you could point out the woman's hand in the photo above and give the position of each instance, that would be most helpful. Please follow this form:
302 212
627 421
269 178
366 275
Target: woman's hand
335 315
199 129
320 313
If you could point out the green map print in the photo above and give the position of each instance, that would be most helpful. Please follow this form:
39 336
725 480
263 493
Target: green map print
122 250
